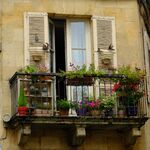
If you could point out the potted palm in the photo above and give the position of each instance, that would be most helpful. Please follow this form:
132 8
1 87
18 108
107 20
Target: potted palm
63 106
22 103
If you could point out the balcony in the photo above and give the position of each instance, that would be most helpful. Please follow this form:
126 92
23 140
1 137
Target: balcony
42 91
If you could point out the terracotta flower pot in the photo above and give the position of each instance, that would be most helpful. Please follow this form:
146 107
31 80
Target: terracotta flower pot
95 112
23 110
63 112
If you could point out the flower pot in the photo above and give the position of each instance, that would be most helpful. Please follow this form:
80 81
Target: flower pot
23 111
131 111
108 113
81 111
121 113
95 112
63 112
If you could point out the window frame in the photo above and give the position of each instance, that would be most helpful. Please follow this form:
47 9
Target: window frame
88 58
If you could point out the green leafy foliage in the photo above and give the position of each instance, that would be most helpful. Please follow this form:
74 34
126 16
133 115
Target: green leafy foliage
81 71
131 75
22 100
129 87
63 104
29 69
108 102
34 68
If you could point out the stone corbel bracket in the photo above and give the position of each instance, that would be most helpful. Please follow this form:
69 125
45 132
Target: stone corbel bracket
78 135
132 136
23 134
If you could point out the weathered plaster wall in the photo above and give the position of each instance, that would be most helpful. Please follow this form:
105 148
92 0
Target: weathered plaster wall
129 51
0 64
44 138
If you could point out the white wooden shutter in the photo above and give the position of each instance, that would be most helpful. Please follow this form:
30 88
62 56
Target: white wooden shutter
104 37
147 60
35 35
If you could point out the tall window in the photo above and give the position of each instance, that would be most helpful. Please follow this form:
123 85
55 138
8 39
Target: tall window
78 51
78 43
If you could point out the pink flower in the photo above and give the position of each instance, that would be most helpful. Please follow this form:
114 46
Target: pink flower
94 104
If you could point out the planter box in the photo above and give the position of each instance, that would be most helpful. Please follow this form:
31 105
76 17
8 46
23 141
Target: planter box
80 81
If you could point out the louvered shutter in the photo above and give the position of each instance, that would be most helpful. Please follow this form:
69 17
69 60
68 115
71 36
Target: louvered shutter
36 31
36 34
104 33
104 41
147 60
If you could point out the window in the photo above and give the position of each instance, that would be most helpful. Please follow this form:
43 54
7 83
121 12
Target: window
78 45
78 42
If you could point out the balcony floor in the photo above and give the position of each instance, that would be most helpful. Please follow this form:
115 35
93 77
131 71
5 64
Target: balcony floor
86 121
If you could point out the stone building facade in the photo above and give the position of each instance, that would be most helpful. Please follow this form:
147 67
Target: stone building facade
123 23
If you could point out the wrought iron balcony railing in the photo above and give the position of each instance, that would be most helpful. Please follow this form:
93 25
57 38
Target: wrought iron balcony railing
104 102
106 93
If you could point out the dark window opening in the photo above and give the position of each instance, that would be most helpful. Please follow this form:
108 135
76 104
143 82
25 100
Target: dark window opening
60 54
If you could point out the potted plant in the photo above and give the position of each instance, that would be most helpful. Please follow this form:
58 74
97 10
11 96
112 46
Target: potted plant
33 71
94 107
80 75
129 88
81 108
121 111
22 103
29 69
41 68
108 103
131 101
63 106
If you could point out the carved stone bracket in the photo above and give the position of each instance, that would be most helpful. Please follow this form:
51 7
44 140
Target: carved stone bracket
78 135
23 134
131 136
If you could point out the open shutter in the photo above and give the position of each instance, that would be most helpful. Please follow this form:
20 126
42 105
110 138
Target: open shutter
36 34
147 60
104 42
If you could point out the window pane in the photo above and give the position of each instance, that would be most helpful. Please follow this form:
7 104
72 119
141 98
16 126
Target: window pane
80 93
78 57
78 35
